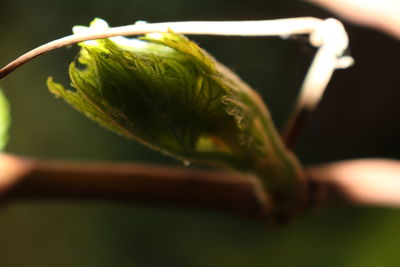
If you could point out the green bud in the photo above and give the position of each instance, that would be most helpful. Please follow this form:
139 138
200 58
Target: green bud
167 93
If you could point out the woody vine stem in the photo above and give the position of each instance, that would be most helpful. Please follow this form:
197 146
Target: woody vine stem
371 182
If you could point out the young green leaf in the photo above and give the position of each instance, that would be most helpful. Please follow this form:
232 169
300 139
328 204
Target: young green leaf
167 93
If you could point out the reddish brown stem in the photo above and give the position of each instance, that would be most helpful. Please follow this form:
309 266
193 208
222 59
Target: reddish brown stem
294 127
362 182
221 190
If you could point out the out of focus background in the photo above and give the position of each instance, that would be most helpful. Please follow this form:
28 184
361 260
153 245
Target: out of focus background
358 117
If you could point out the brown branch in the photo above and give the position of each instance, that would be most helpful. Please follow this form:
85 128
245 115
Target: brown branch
364 182
221 190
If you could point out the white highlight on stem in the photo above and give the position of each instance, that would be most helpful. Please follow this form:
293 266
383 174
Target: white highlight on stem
328 35
331 38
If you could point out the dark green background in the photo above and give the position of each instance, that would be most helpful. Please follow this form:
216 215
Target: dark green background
359 117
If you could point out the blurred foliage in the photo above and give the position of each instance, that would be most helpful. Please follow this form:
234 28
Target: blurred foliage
356 119
4 120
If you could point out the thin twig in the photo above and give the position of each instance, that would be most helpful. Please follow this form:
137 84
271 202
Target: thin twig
282 27
229 28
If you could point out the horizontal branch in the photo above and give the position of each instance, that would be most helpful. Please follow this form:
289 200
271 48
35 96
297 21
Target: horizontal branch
233 192
355 182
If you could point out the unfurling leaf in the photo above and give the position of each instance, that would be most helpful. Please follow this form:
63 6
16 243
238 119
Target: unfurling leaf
167 93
